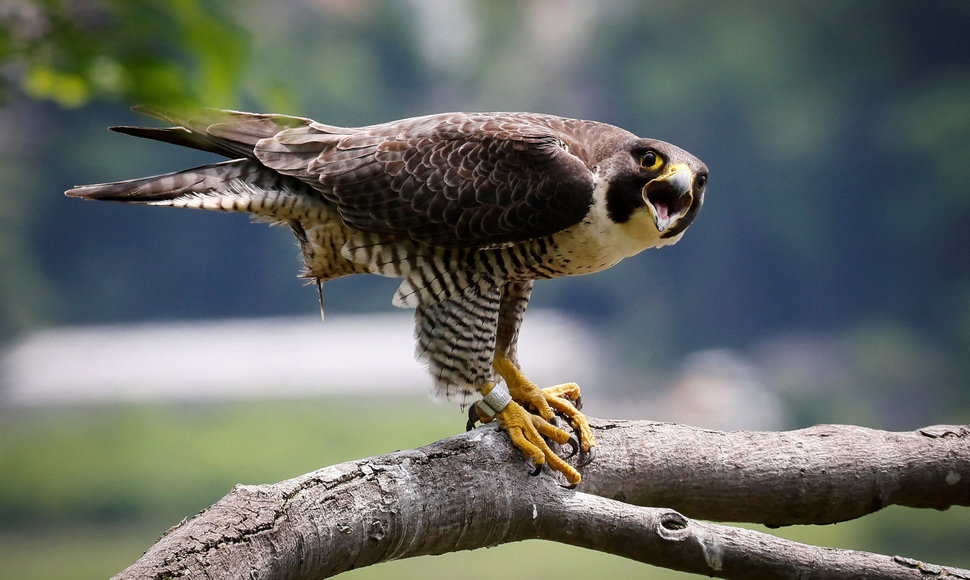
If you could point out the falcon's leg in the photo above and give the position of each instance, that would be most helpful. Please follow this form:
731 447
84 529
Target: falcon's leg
565 398
533 409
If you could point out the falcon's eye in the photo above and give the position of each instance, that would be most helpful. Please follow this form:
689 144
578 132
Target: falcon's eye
651 161
701 180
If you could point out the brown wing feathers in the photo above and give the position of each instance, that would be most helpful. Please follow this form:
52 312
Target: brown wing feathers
440 184
452 180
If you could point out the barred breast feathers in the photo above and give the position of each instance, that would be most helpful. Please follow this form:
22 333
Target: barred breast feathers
432 274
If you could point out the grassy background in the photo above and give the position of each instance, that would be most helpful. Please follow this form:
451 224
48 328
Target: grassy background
84 491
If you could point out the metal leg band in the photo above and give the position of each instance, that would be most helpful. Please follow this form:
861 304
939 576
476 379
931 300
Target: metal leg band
496 400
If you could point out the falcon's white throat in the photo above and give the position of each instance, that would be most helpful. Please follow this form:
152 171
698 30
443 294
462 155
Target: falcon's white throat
598 242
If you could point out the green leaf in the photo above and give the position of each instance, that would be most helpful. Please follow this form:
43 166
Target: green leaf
67 89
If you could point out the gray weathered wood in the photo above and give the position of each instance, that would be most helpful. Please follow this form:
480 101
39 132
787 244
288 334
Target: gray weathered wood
473 490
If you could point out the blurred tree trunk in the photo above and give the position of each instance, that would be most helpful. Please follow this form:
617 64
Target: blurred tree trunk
474 490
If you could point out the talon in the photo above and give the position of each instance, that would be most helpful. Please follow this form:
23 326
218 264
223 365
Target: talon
570 486
574 443
578 403
587 457
537 470
472 417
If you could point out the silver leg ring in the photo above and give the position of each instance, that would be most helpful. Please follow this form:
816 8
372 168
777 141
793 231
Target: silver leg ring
496 400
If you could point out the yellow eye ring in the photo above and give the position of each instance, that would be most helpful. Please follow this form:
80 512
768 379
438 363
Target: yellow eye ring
651 161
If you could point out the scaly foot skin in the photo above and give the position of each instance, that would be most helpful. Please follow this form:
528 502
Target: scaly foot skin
563 399
526 428
527 431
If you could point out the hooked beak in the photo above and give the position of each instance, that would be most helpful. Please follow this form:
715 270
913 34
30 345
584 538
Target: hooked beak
669 196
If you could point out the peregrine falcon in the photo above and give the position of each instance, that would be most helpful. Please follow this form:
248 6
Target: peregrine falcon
468 209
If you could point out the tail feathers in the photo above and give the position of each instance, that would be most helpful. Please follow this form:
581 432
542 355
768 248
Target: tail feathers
186 138
158 188
238 185
229 133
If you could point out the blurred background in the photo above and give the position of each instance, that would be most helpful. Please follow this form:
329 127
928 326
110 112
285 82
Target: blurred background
152 358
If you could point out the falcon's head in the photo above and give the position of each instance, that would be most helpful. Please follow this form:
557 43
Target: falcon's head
655 190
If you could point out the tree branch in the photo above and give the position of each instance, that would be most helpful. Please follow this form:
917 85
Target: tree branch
473 490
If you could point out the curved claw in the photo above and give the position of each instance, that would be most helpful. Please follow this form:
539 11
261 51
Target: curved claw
472 417
578 403
570 486
587 458
537 470
574 443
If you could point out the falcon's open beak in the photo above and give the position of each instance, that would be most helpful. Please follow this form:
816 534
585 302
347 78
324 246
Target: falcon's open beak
669 196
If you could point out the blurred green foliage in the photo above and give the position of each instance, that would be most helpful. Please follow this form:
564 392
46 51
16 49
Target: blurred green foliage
158 52
132 463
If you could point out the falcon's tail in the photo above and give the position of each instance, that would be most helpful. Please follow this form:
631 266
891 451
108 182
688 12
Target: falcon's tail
241 184
232 134
238 185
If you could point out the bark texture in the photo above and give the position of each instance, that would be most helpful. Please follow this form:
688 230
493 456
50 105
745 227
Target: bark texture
474 490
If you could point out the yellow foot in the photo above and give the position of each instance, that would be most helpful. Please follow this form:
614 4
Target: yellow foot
527 428
564 399
527 431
